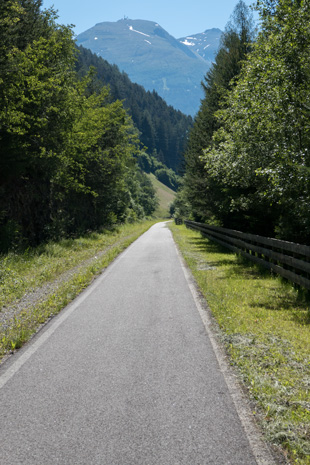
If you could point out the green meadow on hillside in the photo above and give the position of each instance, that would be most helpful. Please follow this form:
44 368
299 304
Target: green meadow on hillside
165 196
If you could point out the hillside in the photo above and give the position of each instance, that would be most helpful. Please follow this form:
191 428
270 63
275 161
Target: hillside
163 130
165 196
151 57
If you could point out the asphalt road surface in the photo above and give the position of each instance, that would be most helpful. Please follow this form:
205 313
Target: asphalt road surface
125 375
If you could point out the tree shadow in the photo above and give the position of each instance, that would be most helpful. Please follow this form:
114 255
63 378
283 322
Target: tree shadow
204 245
242 265
297 303
209 246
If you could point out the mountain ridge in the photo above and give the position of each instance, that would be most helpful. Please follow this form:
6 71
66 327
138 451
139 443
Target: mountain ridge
152 58
205 44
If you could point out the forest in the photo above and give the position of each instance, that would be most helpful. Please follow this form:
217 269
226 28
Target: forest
77 137
75 140
248 160
162 129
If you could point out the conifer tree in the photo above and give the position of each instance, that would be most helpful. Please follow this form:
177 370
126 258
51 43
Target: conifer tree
200 190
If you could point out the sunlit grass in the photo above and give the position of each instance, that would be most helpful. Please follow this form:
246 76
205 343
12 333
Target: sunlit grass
165 196
265 327
22 273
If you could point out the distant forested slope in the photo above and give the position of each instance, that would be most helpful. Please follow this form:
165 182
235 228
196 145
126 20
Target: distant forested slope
163 130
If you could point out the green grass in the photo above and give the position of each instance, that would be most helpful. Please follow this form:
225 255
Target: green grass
265 327
21 274
165 195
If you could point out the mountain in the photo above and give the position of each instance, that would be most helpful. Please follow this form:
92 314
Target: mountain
204 44
162 129
153 58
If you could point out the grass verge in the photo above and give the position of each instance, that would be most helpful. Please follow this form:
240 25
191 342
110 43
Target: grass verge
265 327
22 274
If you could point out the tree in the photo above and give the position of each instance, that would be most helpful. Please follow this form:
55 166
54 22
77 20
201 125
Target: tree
161 127
66 147
98 159
202 192
261 153
35 112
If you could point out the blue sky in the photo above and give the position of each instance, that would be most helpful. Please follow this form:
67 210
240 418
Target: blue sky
179 17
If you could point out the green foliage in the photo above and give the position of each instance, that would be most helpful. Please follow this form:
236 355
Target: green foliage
36 110
151 164
66 147
260 156
201 191
162 129
180 207
247 162
142 195
100 156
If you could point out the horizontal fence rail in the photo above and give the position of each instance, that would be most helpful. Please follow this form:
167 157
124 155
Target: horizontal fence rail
289 260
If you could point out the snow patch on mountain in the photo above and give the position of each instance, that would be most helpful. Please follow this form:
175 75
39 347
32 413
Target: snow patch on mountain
186 42
153 58
133 30
206 43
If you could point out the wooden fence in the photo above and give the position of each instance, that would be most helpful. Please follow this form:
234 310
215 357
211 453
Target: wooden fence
289 260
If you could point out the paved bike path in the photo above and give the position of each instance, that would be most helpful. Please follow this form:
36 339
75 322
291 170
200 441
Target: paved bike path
125 375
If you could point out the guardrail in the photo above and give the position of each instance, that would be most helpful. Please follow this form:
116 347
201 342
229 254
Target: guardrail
289 260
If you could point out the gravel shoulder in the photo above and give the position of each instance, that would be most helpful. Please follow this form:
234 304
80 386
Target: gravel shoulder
27 307
38 295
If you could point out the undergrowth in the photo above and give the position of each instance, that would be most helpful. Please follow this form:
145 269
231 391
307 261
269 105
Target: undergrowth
265 326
